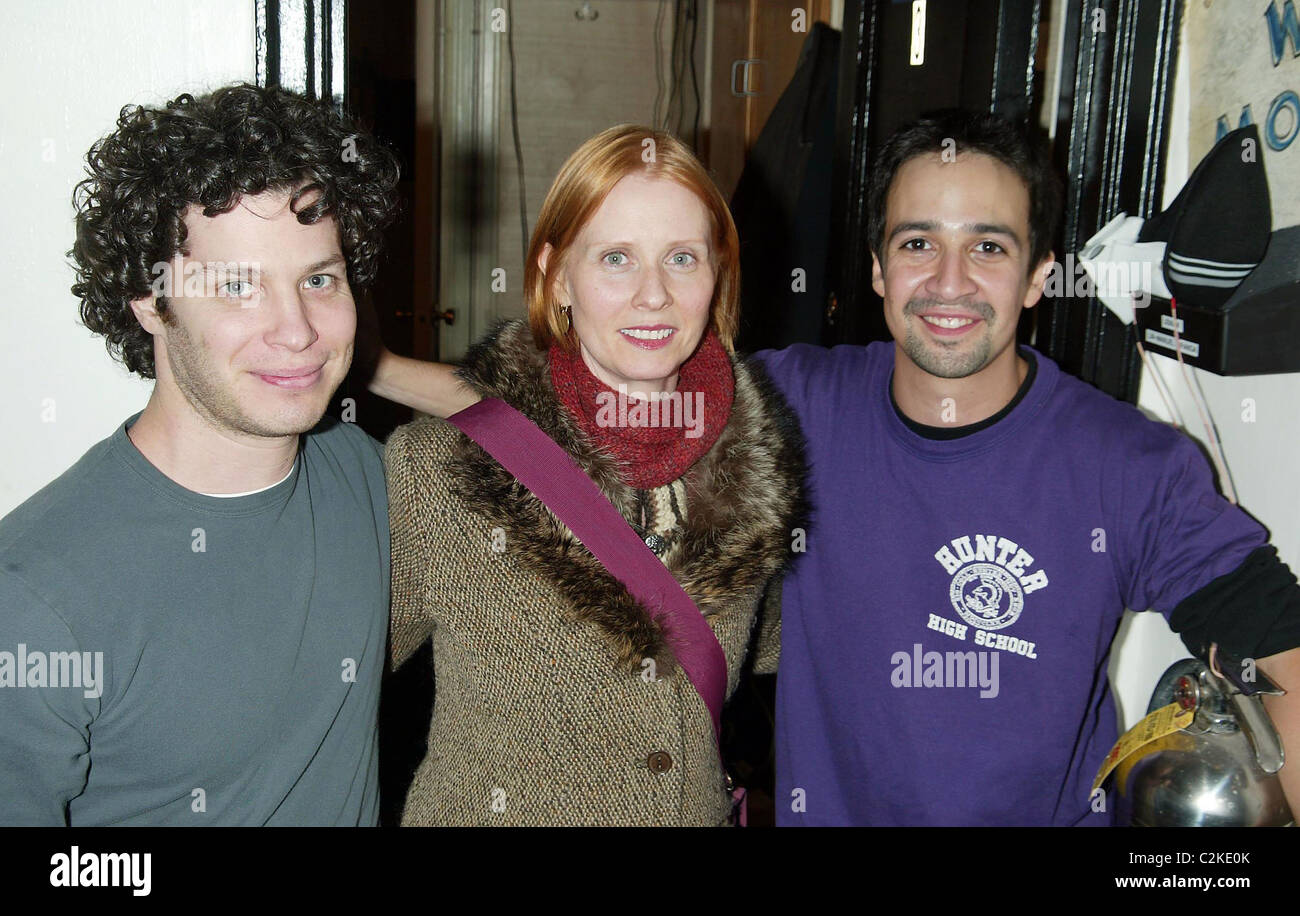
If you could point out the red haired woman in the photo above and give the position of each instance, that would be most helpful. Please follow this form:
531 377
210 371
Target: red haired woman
559 697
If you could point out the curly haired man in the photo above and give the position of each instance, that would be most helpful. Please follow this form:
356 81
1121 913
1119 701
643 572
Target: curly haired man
193 616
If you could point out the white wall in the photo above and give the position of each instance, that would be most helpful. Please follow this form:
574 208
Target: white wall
1261 455
68 68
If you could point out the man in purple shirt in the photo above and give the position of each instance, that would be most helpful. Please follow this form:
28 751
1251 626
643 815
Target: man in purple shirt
982 520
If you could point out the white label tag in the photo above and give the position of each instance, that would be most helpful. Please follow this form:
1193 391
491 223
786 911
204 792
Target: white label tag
1166 341
918 33
1167 322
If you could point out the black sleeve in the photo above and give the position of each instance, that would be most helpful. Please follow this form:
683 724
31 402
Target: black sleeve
1252 612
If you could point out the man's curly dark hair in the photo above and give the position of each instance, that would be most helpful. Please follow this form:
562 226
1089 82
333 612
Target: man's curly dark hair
210 151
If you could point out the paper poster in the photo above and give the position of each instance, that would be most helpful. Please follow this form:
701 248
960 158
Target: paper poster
1244 60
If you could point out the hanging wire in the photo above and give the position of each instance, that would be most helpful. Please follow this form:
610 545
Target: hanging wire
1175 416
695 81
675 98
659 63
1212 435
1227 470
514 129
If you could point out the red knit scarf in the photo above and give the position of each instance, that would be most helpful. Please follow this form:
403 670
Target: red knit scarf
651 455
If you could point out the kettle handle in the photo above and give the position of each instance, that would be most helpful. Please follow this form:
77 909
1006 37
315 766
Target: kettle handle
1249 708
1259 729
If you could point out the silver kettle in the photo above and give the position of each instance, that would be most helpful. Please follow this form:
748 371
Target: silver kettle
1218 771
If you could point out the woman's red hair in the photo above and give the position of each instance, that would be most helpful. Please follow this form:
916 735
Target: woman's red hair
584 181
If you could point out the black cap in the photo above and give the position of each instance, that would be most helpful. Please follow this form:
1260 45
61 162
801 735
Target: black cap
1218 226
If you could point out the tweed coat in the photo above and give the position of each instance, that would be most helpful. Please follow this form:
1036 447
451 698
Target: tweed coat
557 698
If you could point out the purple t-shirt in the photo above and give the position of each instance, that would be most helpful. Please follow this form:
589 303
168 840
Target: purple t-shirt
945 636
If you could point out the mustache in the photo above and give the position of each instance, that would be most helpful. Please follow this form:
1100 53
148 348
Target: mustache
916 306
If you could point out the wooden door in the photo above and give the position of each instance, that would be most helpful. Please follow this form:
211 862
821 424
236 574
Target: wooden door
756 45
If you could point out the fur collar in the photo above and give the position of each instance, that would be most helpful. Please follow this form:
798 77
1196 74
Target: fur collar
744 496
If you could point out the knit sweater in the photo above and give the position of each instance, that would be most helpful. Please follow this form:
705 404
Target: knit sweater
557 699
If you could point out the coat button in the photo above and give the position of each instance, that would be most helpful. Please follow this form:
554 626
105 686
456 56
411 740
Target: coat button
659 762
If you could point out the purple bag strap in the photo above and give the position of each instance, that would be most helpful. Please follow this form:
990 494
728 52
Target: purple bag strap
555 478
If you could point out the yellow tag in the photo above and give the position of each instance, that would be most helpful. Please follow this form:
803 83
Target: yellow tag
1174 741
1164 721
